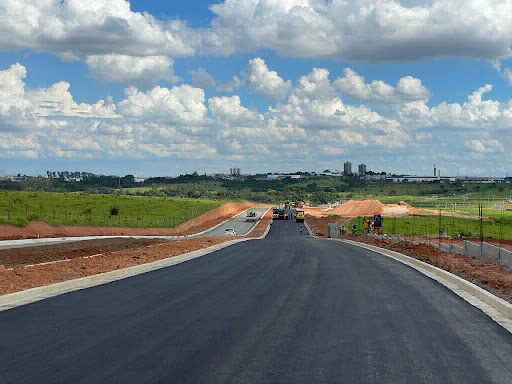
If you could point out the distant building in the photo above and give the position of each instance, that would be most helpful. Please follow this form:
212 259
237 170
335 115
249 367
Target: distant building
347 168
235 171
362 169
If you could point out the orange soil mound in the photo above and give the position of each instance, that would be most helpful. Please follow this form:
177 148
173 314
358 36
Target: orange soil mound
353 208
200 223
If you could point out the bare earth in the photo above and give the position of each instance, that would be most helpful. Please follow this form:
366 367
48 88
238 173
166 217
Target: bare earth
205 221
100 257
355 208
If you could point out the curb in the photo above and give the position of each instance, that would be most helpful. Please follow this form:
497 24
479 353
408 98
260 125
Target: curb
498 309
23 243
309 230
16 299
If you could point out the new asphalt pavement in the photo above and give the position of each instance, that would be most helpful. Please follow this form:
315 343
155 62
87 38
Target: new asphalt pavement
286 309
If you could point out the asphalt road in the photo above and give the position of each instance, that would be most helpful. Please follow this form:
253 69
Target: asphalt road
238 223
286 309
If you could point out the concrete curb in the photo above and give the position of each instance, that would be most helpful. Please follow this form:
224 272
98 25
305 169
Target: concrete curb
309 229
31 295
23 243
498 309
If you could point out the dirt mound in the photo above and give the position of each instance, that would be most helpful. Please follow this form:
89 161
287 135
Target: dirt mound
354 208
399 209
200 223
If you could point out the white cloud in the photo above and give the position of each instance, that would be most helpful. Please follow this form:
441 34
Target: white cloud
231 86
489 145
365 30
12 92
314 124
202 79
408 88
183 104
229 110
507 74
76 28
143 71
265 82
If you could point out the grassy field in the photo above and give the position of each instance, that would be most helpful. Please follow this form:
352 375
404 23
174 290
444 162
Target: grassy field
99 210
416 225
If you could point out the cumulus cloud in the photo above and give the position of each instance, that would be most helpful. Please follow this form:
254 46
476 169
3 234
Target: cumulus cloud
76 28
265 82
408 88
313 124
230 111
143 71
180 104
386 30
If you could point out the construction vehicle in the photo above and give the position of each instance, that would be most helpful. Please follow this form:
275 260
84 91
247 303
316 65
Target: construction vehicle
283 215
275 214
251 216
299 217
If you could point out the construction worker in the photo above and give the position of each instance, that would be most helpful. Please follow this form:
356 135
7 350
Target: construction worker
343 231
365 226
354 228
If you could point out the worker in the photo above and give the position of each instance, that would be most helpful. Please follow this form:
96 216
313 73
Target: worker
354 228
343 231
365 226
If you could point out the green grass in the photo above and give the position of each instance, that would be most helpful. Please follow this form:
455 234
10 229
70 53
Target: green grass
94 209
419 225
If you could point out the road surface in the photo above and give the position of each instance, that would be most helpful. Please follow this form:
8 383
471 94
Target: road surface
286 309
238 223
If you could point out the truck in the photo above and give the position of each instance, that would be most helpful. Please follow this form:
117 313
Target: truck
275 214
283 215
299 217
251 216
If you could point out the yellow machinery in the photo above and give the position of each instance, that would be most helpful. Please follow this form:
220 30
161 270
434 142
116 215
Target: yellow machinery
299 218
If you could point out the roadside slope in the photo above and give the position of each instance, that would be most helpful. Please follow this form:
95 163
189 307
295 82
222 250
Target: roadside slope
38 229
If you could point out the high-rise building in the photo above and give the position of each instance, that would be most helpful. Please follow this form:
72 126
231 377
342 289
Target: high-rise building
234 171
362 169
347 168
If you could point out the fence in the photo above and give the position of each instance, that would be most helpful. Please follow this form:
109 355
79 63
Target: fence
21 215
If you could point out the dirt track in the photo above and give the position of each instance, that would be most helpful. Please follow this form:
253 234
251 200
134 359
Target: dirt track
207 220
48 253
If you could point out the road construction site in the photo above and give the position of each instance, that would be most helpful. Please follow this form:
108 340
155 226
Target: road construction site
288 308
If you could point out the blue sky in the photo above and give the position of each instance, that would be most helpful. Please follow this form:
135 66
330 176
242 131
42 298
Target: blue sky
159 88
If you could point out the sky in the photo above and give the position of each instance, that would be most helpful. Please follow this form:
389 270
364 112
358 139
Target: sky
157 88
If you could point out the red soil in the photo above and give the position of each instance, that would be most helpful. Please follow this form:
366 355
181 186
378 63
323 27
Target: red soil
104 260
205 221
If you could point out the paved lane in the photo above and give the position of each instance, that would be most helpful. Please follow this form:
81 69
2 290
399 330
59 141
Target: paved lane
287 309
238 223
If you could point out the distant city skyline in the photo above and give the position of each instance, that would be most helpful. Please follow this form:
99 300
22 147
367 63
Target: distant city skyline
165 88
